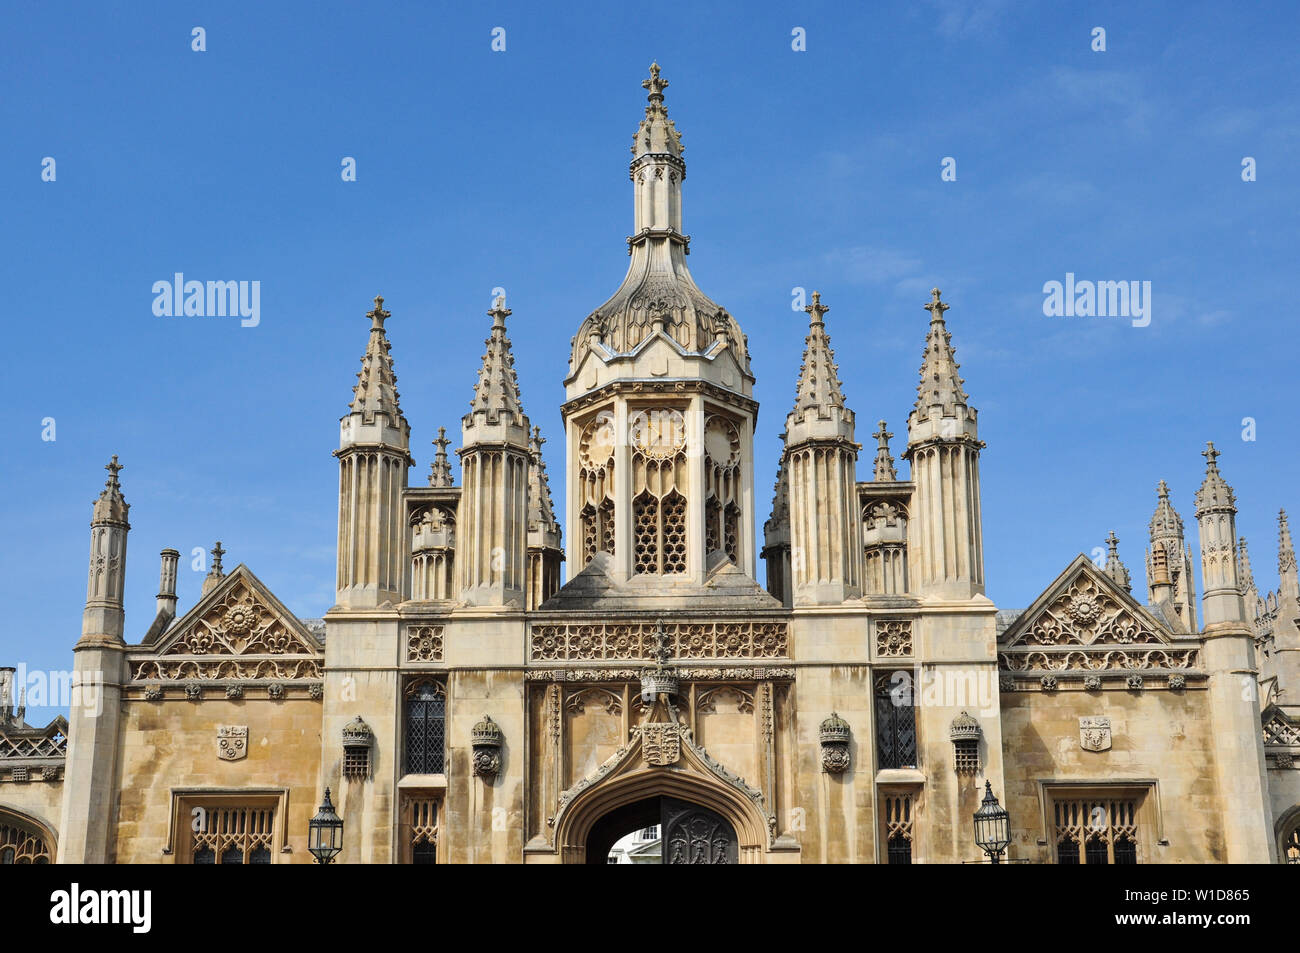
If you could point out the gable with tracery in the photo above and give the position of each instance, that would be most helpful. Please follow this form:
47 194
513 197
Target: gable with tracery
238 630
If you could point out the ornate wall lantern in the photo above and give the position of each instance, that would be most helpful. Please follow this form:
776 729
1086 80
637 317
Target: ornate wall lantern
486 739
834 735
325 833
357 741
965 733
992 825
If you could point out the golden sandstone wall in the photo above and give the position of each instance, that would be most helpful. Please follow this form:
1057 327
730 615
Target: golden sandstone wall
1156 735
172 744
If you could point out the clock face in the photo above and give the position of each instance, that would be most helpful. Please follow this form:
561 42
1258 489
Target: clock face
658 433
598 440
722 442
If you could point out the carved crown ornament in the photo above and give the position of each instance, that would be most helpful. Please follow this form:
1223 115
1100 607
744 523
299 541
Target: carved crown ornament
237 631
834 734
486 739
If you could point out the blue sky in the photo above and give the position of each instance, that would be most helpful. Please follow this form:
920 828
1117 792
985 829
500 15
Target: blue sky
478 169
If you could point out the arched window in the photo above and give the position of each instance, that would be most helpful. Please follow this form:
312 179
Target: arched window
895 721
1290 853
425 727
22 842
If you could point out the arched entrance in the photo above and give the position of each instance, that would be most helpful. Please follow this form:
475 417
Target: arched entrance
687 833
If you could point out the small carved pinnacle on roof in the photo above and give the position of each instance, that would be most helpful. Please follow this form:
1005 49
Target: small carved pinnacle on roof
535 444
440 471
655 85
1244 573
935 306
217 553
1162 490
885 472
1286 562
1114 567
378 315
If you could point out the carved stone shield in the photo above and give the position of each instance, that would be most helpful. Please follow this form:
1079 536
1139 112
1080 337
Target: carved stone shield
1094 733
232 742
660 744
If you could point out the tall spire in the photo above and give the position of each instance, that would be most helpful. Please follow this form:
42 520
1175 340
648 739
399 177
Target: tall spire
1216 516
1166 532
376 388
541 508
945 533
1114 567
658 294
819 408
496 396
885 472
940 390
374 456
440 470
104 614
1165 521
1286 564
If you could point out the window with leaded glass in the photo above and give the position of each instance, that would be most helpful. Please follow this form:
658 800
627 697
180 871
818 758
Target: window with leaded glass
897 813
425 725
1096 829
21 843
1291 845
232 834
895 721
420 827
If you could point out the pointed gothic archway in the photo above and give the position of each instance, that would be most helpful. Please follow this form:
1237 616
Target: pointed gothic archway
688 833
633 776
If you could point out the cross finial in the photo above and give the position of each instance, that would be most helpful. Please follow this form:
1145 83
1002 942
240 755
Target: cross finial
217 553
882 436
655 85
1211 455
1162 490
816 309
113 468
442 440
935 306
1112 541
378 315
538 439
499 311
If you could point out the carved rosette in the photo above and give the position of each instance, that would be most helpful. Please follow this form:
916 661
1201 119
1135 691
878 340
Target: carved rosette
424 643
894 638
834 735
486 738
